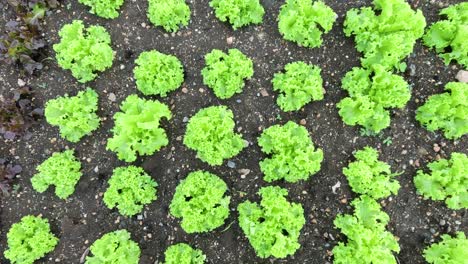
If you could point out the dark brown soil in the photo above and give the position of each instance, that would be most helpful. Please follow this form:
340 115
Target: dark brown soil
83 218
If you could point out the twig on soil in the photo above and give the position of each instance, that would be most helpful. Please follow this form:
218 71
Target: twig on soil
85 253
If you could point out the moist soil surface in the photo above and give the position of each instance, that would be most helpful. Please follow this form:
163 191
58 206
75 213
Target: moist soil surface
83 218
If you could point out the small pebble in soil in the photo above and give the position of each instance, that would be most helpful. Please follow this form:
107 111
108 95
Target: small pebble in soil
264 92
21 83
185 120
231 164
112 97
436 147
462 76
229 40
184 90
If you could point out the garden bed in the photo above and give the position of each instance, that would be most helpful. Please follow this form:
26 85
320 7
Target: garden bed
83 217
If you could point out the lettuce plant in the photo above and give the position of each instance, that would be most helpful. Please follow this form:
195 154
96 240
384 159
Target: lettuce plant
238 12
451 250
225 73
370 176
304 21
130 188
18 113
170 14
293 156
385 34
368 241
210 132
75 116
447 111
114 247
200 202
104 8
183 254
84 51
62 170
447 181
274 225
22 41
371 93
29 240
157 73
137 130
8 173
300 84
448 37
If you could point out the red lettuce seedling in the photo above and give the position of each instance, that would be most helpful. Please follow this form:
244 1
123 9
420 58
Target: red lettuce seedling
18 114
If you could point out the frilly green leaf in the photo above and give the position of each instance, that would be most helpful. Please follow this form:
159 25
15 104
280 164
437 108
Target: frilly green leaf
200 202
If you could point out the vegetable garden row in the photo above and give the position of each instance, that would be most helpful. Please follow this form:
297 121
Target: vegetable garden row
385 34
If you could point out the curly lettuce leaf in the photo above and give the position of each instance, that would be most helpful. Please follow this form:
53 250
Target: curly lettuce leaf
157 73
448 180
210 132
371 93
169 14
273 226
84 51
226 73
304 21
114 247
137 128
75 116
367 239
29 240
130 188
448 37
369 176
104 8
385 34
61 170
239 13
183 254
451 250
293 156
447 111
200 202
299 84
